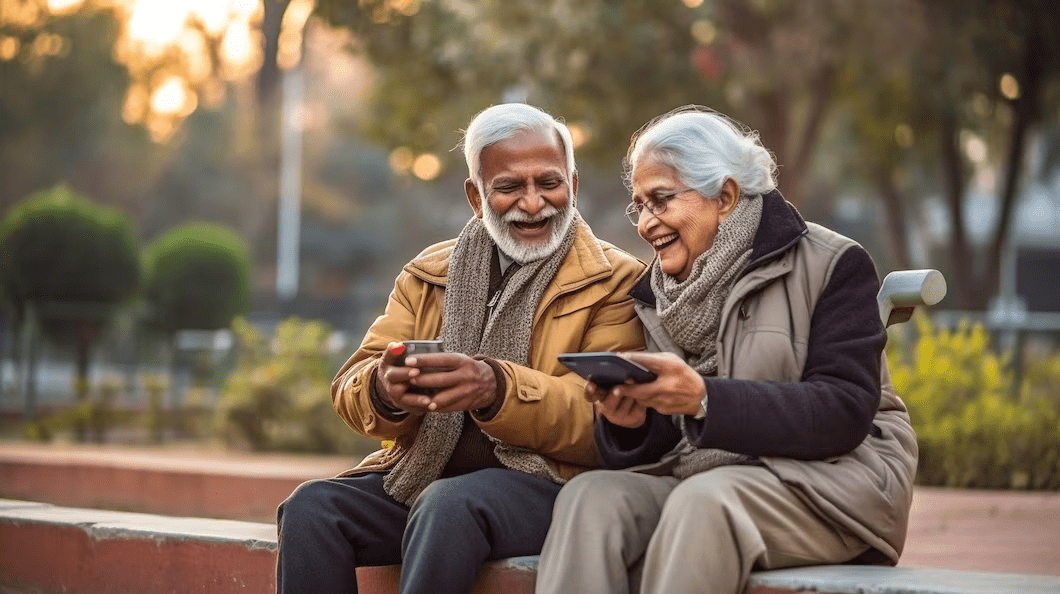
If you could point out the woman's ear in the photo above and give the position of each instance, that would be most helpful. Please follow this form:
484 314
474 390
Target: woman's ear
729 197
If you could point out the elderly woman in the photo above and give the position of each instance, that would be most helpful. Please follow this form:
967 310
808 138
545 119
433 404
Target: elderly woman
771 437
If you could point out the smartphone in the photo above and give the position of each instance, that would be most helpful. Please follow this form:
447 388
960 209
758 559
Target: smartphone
419 347
606 369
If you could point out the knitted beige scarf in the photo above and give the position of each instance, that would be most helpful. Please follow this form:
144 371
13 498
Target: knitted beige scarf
690 311
504 335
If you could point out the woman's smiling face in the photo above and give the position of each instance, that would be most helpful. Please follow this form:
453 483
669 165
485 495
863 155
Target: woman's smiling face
688 226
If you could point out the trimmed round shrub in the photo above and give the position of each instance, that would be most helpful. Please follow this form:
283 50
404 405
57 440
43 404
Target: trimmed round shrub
72 258
196 277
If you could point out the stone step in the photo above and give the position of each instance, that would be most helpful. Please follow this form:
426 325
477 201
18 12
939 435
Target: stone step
48 549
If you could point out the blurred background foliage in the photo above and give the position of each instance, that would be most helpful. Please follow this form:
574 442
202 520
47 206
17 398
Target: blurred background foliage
978 424
208 130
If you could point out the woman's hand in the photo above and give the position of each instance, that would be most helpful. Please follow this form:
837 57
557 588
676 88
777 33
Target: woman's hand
677 390
624 412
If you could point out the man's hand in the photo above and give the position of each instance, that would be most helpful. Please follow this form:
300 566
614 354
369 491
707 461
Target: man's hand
677 390
458 381
392 382
622 411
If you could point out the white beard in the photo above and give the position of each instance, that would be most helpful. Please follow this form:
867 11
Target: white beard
499 229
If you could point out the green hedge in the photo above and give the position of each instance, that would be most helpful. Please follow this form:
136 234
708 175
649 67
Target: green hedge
975 426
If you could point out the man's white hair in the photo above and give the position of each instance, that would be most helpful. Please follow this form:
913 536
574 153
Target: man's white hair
501 122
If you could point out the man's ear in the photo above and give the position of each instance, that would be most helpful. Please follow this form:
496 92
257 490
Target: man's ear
729 197
574 189
473 196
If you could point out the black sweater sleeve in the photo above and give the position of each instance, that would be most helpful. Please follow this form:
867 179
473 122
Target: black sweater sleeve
830 410
621 447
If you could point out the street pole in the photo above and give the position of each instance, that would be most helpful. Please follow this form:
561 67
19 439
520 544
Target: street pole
289 216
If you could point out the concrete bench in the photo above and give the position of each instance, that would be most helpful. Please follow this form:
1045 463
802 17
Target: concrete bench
47 549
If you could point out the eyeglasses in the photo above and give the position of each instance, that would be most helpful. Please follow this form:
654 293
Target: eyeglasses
655 206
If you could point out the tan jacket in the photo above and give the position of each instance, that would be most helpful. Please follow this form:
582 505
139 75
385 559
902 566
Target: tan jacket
586 307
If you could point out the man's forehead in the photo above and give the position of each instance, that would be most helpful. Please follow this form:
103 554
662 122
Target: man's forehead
529 137
526 149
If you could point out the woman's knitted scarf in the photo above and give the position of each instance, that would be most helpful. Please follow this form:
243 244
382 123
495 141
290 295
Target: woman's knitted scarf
465 329
690 311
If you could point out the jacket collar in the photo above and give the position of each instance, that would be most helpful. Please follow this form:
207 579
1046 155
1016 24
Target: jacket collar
780 229
584 263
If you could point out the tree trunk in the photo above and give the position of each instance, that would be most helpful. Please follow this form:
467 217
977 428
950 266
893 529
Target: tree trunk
774 132
953 179
86 334
802 158
895 209
1026 111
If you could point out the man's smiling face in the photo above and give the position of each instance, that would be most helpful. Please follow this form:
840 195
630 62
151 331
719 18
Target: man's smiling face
526 198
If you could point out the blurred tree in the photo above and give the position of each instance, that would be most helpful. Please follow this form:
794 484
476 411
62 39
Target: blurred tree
196 276
609 66
61 107
962 103
70 264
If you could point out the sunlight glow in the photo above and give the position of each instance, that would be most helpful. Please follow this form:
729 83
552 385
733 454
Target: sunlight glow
61 7
157 23
975 148
8 48
132 111
289 52
579 134
241 51
1009 86
26 15
180 54
212 14
903 135
427 166
49 44
704 31
400 159
171 97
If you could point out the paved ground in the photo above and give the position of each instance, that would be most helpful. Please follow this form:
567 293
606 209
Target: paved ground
1001 531
984 530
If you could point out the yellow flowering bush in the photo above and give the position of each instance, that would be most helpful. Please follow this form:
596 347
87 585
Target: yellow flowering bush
976 427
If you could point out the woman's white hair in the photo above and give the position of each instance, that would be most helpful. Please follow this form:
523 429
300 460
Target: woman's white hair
705 148
501 122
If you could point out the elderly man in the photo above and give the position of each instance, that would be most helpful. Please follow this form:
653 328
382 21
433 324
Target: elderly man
476 465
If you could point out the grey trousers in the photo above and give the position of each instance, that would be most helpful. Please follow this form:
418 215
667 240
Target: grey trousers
618 531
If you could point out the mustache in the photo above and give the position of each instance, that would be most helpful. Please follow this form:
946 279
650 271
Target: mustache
516 216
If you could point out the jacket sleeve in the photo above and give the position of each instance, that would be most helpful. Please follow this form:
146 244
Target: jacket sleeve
829 411
351 388
621 447
545 409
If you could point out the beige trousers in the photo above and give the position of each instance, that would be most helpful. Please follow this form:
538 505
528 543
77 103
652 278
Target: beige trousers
616 531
